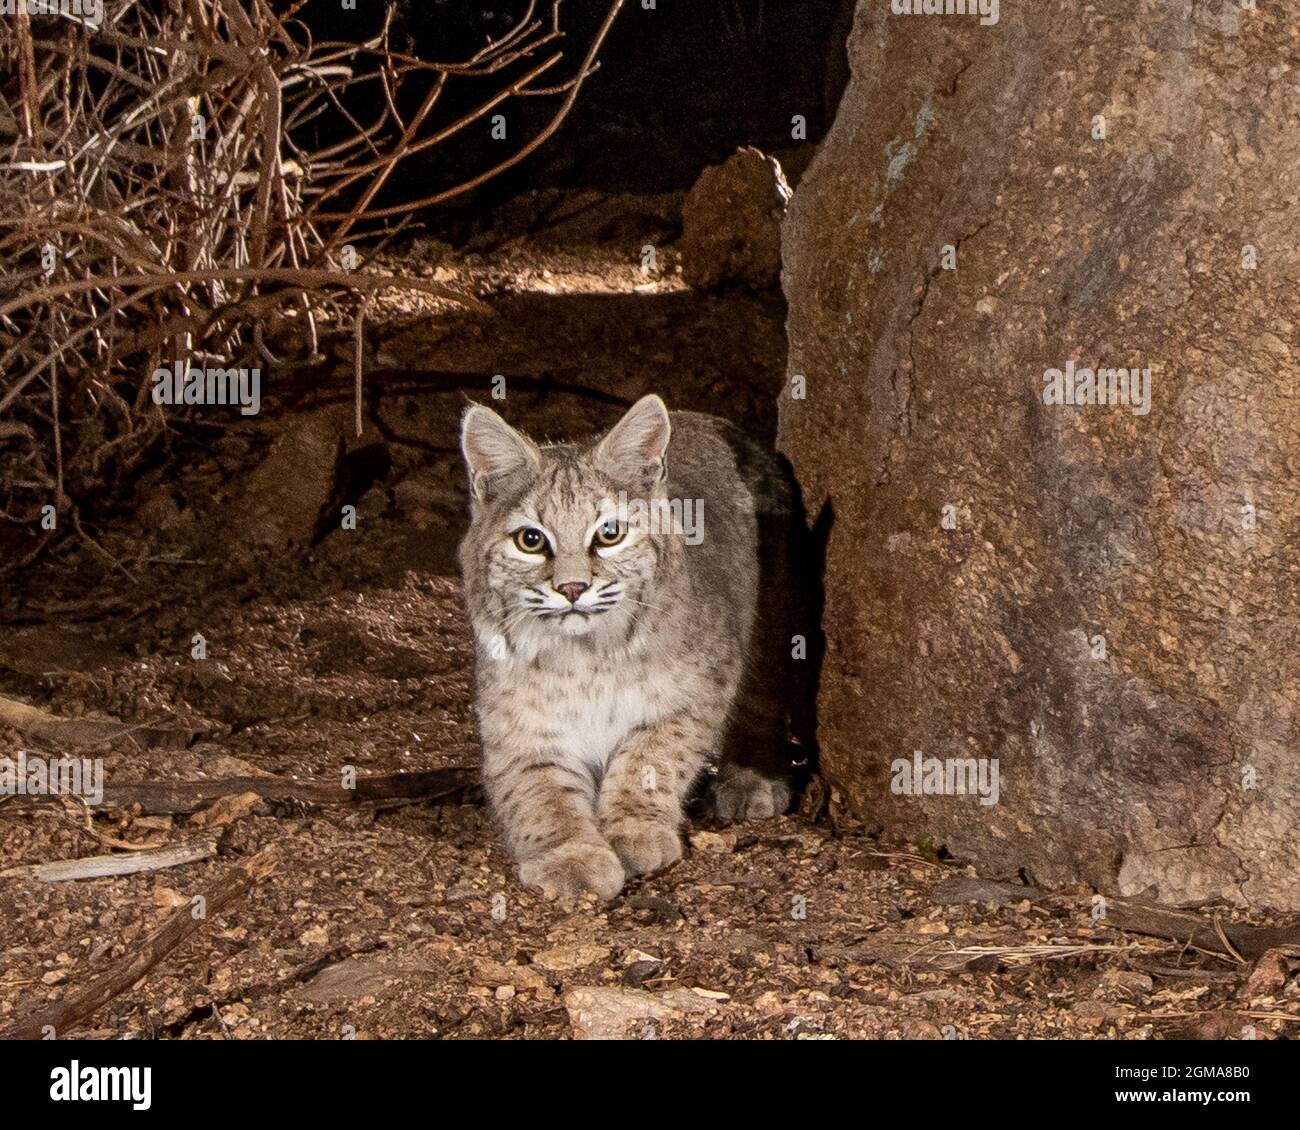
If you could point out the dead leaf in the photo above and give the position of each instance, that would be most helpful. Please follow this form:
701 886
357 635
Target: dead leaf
226 810
1267 978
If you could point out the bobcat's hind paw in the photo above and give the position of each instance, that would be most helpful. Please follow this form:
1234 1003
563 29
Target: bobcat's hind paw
573 869
644 845
742 794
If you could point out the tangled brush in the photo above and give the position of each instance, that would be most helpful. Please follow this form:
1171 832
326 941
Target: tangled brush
175 176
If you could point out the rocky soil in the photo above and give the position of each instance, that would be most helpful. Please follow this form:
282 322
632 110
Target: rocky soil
326 648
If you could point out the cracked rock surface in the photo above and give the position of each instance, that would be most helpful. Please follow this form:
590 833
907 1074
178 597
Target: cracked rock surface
1102 599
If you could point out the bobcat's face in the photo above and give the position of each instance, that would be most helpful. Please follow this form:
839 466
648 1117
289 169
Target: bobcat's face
553 550
566 558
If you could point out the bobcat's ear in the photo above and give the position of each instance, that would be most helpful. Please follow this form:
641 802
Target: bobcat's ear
634 447
493 450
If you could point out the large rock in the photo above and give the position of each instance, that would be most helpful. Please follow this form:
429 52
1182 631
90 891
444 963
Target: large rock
731 223
1114 614
292 496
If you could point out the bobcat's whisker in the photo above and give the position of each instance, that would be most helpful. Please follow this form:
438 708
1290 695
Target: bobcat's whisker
643 603
515 617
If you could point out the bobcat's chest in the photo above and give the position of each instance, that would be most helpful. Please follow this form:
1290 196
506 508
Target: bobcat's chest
598 714
575 706
584 713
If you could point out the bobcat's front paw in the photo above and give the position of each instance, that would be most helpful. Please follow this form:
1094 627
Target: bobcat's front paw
573 869
644 845
742 794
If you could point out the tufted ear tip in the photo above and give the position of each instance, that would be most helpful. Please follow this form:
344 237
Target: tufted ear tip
492 449
635 447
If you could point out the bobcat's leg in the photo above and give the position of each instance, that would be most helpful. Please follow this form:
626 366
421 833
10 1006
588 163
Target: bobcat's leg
546 804
648 778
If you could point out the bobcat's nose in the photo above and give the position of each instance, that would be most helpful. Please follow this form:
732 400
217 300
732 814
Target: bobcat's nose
572 590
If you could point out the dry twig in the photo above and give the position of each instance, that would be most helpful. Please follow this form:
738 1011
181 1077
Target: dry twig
156 798
187 175
99 866
60 1018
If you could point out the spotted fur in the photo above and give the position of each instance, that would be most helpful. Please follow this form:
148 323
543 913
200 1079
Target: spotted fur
598 713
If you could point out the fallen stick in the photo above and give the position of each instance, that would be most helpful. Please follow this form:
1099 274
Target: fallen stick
157 798
99 866
44 726
60 1018
1189 928
908 951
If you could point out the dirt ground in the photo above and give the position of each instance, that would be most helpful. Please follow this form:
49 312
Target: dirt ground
348 648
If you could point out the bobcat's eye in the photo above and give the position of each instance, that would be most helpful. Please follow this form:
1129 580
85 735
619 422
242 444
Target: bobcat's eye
611 533
530 540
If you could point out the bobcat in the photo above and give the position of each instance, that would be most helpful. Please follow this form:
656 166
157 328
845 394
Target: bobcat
629 636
